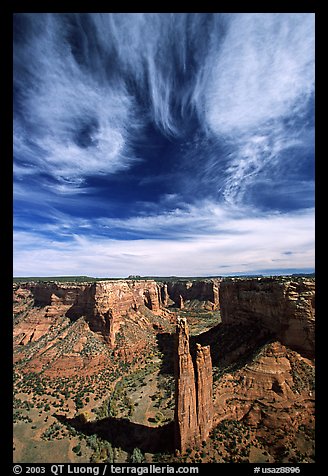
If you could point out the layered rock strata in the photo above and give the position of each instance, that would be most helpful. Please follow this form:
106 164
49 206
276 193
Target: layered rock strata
112 300
193 392
274 390
283 306
103 304
204 387
183 293
186 421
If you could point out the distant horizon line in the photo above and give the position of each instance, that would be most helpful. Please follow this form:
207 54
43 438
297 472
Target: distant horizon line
251 274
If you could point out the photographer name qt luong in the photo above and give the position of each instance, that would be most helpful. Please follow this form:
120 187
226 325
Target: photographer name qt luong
57 469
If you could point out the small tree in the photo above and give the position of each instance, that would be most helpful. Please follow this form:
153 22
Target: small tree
77 449
137 456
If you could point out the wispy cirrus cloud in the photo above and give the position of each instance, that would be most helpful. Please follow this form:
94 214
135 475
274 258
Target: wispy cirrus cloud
68 123
87 85
85 104
263 79
264 71
219 240
262 157
142 134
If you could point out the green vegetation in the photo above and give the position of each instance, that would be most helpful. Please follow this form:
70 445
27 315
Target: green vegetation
53 432
118 404
137 456
77 449
303 375
142 391
102 450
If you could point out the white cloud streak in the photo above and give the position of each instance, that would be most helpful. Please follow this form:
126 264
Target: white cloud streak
235 244
256 156
242 75
64 103
264 71
263 74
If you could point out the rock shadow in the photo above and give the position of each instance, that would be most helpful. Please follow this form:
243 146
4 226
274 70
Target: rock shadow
42 294
125 434
83 304
165 343
231 345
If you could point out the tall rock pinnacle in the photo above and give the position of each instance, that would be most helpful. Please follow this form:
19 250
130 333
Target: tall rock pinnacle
204 390
186 422
193 391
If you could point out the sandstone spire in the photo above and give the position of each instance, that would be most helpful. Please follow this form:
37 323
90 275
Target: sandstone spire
204 390
186 423
193 393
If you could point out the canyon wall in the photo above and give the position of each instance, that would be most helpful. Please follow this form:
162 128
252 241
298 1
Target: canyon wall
193 391
37 306
183 292
112 300
102 304
283 306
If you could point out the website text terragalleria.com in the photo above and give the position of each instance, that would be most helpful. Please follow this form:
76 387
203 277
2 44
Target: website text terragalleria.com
57 469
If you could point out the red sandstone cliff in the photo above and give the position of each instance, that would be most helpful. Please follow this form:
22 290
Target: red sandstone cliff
283 306
205 292
274 390
112 300
103 304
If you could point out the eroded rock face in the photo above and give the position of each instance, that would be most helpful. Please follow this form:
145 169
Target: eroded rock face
206 291
37 308
274 390
204 390
285 307
186 420
64 350
112 300
193 391
103 304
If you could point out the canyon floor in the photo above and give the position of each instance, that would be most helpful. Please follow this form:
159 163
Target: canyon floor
78 400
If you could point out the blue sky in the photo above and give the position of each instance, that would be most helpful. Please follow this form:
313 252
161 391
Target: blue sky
163 144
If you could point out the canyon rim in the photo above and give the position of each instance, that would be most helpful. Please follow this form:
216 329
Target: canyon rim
203 370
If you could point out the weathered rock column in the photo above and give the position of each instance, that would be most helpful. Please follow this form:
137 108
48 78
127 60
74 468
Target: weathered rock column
193 394
164 295
186 423
204 391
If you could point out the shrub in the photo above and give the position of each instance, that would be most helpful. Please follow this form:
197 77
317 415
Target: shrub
137 456
77 448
